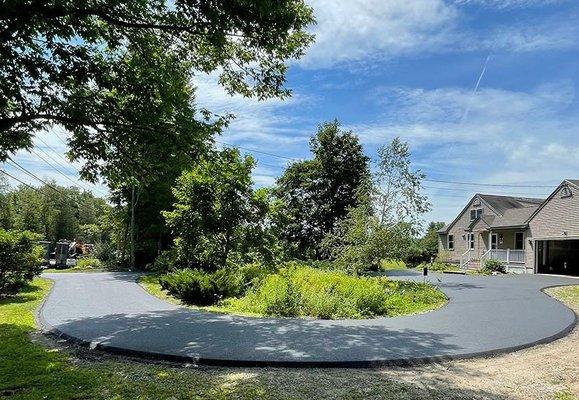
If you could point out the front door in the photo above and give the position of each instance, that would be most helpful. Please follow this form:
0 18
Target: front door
494 241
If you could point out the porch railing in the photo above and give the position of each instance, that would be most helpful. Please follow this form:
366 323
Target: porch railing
466 257
507 256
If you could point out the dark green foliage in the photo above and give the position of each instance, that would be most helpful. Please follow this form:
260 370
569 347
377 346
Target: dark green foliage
384 222
218 218
317 193
20 260
425 248
491 266
193 286
64 214
117 74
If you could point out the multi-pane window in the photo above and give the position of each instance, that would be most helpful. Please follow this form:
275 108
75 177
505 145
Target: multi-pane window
519 240
471 241
450 242
474 214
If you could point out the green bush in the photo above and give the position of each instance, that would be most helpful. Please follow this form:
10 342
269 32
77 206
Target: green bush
304 291
20 260
200 287
386 265
491 266
167 261
88 263
191 285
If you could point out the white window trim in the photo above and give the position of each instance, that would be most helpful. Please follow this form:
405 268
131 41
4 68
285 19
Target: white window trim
494 235
470 241
448 242
523 241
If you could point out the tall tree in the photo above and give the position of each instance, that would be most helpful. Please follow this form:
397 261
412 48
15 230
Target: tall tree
386 220
116 74
318 192
213 209
397 187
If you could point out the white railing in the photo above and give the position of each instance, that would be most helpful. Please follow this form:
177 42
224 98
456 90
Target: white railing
508 256
466 257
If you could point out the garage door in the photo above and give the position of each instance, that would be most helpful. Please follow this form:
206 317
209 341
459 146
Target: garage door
558 257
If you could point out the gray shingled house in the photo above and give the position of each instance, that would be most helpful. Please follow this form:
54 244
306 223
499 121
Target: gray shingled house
526 234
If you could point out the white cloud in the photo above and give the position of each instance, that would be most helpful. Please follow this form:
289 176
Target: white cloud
48 162
509 4
256 122
509 136
353 31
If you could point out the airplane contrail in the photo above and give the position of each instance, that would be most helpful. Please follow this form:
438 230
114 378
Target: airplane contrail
469 105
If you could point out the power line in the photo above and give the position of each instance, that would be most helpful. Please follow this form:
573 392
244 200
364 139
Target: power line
55 152
257 151
59 171
14 163
18 180
471 191
488 184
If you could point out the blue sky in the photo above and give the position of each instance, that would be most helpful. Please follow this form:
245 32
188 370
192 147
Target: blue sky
387 68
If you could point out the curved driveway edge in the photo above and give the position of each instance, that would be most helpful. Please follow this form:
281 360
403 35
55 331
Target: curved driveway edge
484 316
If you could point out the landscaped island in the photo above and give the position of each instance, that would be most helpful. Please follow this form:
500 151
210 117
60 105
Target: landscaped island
295 291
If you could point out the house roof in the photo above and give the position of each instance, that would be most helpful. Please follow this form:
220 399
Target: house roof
512 211
503 203
514 217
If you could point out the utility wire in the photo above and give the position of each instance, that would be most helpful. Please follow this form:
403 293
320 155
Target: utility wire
14 163
488 184
18 180
59 171
257 151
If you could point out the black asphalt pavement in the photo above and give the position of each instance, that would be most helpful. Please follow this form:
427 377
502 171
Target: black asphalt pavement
485 314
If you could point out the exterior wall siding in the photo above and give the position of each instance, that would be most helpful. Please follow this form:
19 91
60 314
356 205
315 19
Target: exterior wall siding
460 237
556 216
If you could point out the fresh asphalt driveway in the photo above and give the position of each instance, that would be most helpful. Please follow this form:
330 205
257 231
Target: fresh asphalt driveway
485 314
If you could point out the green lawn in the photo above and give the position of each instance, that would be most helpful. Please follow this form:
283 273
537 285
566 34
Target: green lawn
32 371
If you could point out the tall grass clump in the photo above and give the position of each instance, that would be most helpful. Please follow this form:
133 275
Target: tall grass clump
299 291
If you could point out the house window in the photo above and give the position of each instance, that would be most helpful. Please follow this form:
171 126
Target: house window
474 214
494 241
450 242
519 240
471 241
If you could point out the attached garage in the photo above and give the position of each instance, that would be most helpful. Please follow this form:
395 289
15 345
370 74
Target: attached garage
558 257
553 232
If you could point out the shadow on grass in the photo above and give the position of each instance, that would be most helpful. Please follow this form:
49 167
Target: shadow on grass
31 371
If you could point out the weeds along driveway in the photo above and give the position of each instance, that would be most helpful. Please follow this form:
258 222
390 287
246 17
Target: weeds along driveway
485 314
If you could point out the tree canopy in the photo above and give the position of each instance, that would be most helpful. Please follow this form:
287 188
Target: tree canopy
318 192
117 74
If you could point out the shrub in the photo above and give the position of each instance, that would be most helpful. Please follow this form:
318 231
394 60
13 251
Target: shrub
386 265
106 253
491 266
304 291
191 285
167 261
20 260
202 288
88 263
